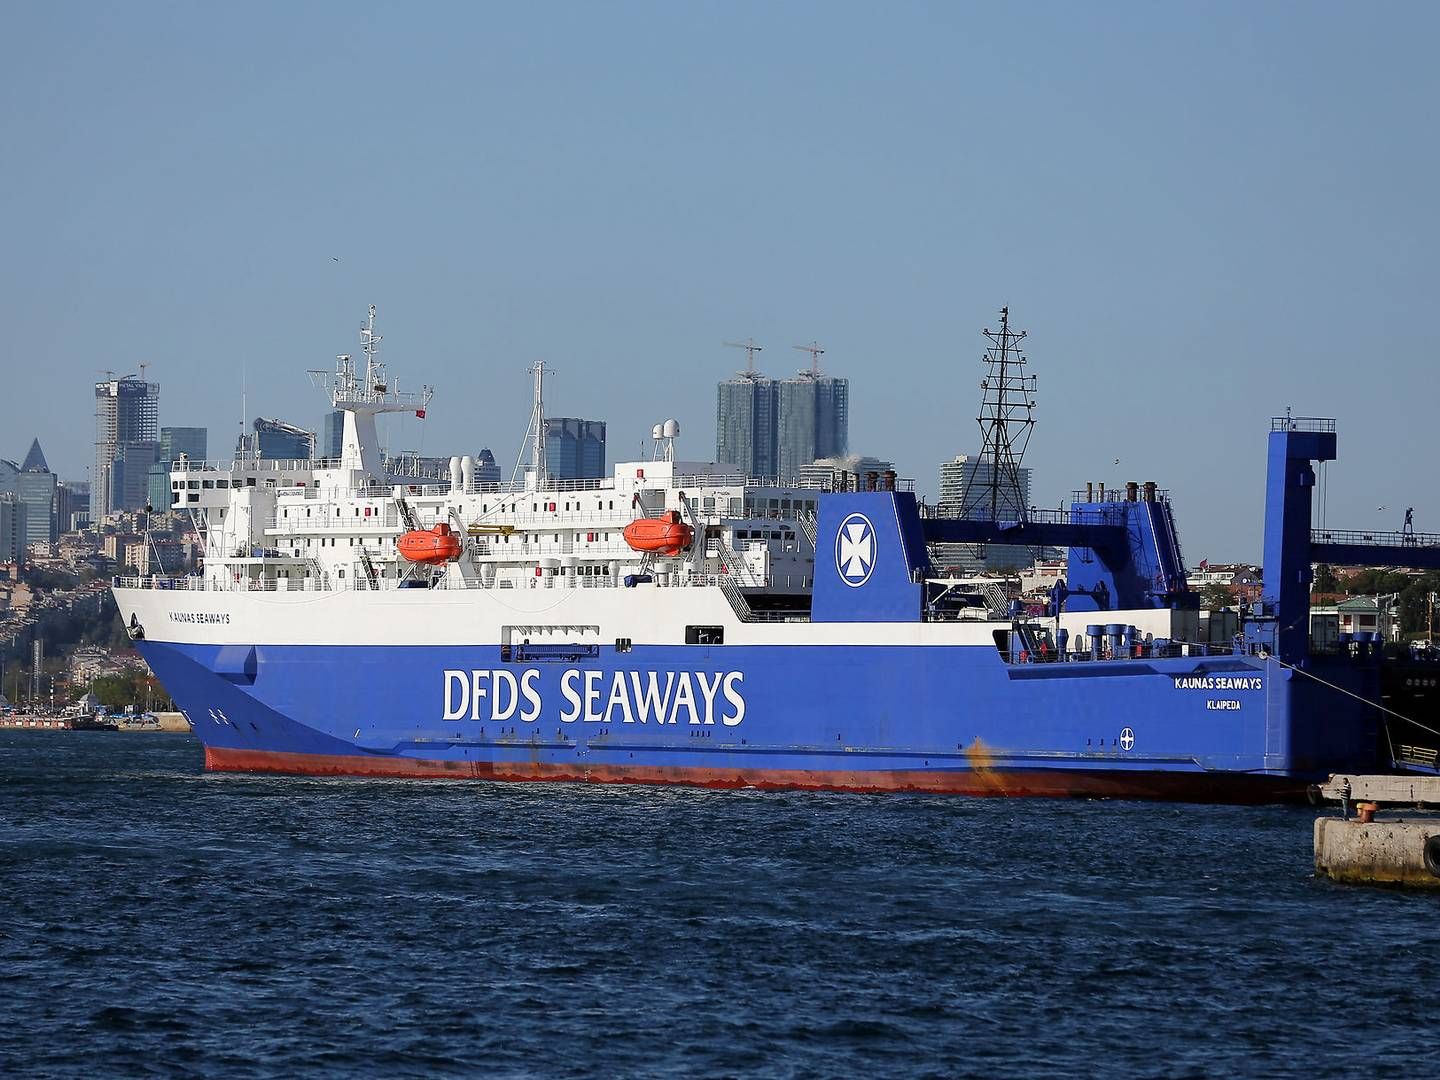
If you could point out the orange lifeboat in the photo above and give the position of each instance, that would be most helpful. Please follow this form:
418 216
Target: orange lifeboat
430 546
666 535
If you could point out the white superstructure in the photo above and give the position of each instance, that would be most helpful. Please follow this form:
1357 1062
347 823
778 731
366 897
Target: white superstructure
328 524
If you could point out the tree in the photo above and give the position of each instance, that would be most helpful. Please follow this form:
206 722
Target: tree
1415 603
1326 580
117 691
1216 596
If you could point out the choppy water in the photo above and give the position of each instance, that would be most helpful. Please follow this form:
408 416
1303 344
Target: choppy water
160 920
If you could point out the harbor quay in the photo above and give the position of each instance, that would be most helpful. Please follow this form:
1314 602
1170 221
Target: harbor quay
1361 850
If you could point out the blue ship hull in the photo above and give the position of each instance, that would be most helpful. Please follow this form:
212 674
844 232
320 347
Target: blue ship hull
865 718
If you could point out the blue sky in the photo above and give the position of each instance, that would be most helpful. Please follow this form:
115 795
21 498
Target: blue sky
1202 214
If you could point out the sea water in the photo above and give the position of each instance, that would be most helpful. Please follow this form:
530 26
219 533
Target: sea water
158 920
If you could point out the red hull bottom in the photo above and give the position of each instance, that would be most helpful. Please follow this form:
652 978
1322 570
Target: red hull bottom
1035 783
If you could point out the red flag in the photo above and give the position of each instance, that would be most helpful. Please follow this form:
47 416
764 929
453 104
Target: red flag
420 413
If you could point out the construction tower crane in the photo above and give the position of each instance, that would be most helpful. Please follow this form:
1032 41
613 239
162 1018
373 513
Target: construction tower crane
750 350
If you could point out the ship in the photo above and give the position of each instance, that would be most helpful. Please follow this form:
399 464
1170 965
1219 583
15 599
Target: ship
676 622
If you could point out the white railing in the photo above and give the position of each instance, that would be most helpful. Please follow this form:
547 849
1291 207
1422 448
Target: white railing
321 581
192 584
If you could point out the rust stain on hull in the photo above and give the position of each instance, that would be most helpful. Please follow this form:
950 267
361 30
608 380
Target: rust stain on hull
979 780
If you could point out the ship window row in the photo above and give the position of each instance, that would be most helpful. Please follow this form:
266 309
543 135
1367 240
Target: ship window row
209 485
764 534
778 506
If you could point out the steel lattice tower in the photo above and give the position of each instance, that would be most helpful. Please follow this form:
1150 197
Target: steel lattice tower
1007 418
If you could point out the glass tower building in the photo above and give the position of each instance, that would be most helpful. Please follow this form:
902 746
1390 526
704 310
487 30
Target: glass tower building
332 435
275 440
127 443
774 427
193 442
574 448
745 424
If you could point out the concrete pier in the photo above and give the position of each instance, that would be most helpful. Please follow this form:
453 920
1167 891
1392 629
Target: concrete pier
1364 851
1378 852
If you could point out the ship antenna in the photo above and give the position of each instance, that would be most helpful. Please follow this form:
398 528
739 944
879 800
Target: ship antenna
535 433
1007 418
370 345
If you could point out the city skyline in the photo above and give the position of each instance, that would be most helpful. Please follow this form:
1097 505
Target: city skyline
1191 224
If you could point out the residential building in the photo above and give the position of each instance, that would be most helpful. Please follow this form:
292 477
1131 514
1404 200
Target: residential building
1369 615
115 546
574 448
745 424
773 427
72 505
851 473
812 421
127 443
965 482
159 556
1240 580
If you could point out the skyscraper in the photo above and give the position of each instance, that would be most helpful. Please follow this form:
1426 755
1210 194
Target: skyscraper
574 448
12 528
127 420
35 487
130 475
72 505
745 423
961 482
193 442
487 470
275 440
332 435
812 421
772 427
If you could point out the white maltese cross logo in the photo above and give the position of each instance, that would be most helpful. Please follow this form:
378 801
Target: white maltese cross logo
855 549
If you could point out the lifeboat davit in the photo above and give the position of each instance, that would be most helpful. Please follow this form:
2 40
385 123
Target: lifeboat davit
430 546
666 535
